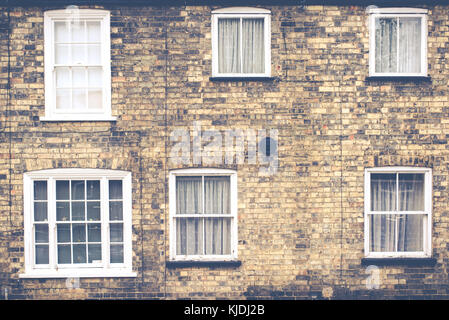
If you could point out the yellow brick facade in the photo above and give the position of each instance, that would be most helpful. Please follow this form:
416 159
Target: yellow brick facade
300 230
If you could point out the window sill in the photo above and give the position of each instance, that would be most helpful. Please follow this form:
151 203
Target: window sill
76 273
409 262
207 264
242 79
76 119
415 79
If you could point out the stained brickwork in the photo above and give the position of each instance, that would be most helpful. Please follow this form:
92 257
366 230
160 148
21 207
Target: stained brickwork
300 230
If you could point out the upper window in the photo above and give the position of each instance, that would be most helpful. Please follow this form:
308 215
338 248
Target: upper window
77 65
241 42
398 209
77 223
398 42
203 211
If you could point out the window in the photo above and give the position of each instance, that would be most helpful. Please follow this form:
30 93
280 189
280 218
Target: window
203 213
398 42
77 223
77 65
241 42
398 210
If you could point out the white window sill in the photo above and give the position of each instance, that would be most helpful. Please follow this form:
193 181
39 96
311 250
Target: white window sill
203 263
77 273
75 118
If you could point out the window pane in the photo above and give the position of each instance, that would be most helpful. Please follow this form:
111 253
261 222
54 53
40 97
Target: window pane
77 190
63 99
62 211
116 253
95 77
41 233
40 211
79 77
94 232
116 232
229 46
382 232
79 253
61 32
383 228
189 195
42 254
78 211
79 54
95 99
93 210
383 192
189 236
93 31
63 233
79 232
116 210
94 54
64 254
94 252
386 45
40 190
253 50
62 190
78 31
93 190
410 232
62 54
79 99
411 192
217 195
218 235
410 44
115 189
63 77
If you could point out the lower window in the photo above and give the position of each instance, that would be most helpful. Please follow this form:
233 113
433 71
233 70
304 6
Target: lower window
77 223
398 212
203 213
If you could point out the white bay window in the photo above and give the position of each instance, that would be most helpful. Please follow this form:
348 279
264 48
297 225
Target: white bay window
77 223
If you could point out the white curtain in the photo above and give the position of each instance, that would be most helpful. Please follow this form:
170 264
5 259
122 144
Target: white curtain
253 46
229 46
386 45
383 198
384 226
245 55
409 45
189 200
398 45
197 236
411 198
217 201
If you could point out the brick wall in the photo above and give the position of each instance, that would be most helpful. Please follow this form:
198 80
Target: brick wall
300 230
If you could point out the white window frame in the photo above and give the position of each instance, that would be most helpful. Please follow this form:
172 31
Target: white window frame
241 12
398 13
172 205
427 226
53 270
51 114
